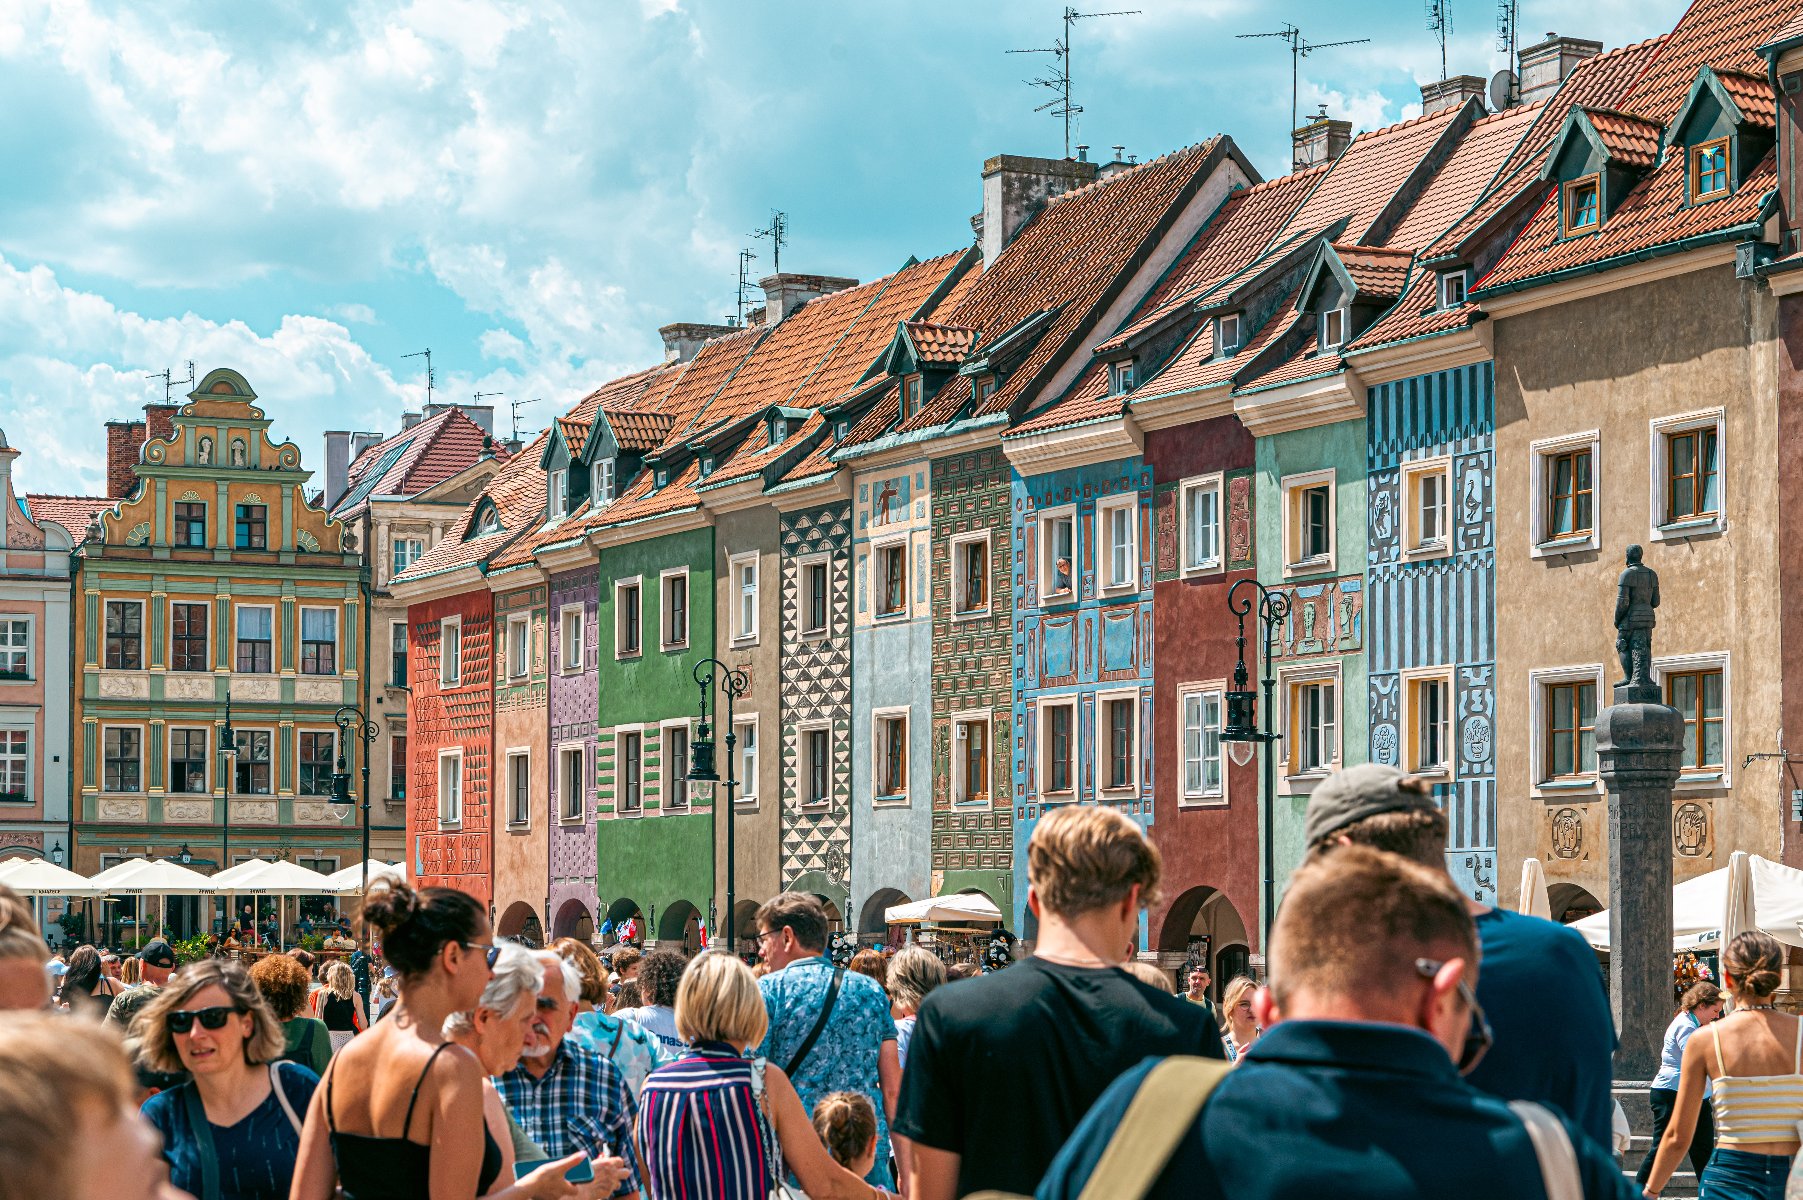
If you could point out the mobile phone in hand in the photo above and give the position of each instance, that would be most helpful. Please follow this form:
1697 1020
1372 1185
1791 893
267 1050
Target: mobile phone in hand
582 1172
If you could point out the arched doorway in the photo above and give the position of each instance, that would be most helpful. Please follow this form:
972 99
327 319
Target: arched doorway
1203 926
679 923
575 921
621 911
513 922
871 922
1569 903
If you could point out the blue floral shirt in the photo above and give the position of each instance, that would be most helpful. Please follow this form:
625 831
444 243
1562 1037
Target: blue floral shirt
844 1059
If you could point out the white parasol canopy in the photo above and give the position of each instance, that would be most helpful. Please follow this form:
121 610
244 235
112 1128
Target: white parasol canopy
348 881
267 877
145 877
1534 900
1699 906
944 910
36 877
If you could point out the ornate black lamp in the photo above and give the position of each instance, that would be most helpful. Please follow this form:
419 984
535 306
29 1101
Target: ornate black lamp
1240 729
184 856
56 854
710 672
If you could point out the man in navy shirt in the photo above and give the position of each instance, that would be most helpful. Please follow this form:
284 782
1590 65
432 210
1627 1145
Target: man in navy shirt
1567 1061
1353 1090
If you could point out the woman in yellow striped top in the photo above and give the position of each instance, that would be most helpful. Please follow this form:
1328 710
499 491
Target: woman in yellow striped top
1753 1059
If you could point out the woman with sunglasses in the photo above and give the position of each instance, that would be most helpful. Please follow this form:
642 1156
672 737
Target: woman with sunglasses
231 1132
400 1115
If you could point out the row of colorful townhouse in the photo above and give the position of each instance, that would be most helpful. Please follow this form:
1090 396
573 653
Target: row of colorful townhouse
970 530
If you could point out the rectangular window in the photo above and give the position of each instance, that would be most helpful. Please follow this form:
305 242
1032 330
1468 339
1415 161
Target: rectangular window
1120 378
569 634
253 527
1452 288
406 552
251 773
1709 169
1569 494
1308 520
397 767
1227 335
970 760
256 640
891 583
970 574
316 755
1697 695
631 769
557 493
676 609
627 619
188 759
190 523
982 387
15 765
1199 511
1058 736
675 764
1582 209
1202 773
1570 730
1333 328
746 731
450 787
570 784
15 647
188 638
519 646
125 635
910 396
1692 490
319 641
519 788
123 768
816 757
1314 726
397 654
744 576
1120 730
813 596
601 482
1427 488
1058 555
891 756
1429 724
1120 546
450 652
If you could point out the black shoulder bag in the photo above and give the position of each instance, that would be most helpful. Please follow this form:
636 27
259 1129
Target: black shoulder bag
826 1010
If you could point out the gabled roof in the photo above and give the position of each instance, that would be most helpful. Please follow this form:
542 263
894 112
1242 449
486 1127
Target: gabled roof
637 431
413 460
939 345
1371 273
73 513
1364 180
1621 138
1747 99
1598 82
517 493
1195 366
1462 178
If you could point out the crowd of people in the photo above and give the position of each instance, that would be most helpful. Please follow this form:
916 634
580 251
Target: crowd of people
1398 1046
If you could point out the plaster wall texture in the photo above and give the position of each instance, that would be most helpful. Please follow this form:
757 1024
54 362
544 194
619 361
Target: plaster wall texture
521 848
451 718
757 830
573 700
1615 364
1789 453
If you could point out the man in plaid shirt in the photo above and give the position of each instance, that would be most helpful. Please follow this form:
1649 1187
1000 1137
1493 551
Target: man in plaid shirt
566 1096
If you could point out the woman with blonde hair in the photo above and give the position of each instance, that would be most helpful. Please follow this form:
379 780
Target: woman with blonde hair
1242 1026
232 1132
687 1151
913 973
340 1007
24 983
131 971
1752 1061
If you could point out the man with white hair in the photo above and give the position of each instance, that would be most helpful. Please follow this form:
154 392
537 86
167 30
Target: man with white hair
566 1096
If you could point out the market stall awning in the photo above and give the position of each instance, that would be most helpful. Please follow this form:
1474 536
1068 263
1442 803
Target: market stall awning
36 877
1699 905
961 909
348 881
159 877
272 877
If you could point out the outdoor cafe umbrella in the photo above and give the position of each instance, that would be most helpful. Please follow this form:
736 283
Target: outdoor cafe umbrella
1738 915
939 910
273 877
1700 906
153 877
348 881
36 877
1534 901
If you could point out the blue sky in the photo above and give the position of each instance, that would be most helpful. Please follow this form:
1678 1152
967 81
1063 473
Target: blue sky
308 190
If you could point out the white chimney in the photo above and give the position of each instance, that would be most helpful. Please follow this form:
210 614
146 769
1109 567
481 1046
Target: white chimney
1016 189
785 293
1548 64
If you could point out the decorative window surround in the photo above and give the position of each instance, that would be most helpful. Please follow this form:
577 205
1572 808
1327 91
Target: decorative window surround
1050 787
1117 534
1663 525
1106 702
970 560
890 774
1058 543
1426 490
1415 713
748 746
450 789
569 639
1540 682
673 608
1541 455
814 764
629 617
1201 713
1298 557
450 652
814 578
1693 778
1297 778
519 787
742 570
519 646
973 754
1200 527
673 791
889 578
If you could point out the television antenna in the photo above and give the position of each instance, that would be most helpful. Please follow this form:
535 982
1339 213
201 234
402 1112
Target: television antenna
1058 80
1439 23
778 233
516 405
1506 31
431 379
746 258
1300 48
170 383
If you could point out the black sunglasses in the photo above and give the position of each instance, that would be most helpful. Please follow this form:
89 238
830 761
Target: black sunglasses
1478 1038
491 951
182 1019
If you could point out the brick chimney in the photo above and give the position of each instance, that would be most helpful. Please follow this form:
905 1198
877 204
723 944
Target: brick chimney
1015 189
159 420
124 443
683 339
785 293
1450 93
1548 64
1322 140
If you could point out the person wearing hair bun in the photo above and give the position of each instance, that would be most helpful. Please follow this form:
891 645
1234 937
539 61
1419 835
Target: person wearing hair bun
1752 1060
400 1113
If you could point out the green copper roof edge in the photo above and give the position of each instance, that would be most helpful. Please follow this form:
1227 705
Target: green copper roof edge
1694 242
891 441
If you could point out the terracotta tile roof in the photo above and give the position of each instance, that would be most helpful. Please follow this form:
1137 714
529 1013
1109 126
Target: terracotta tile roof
1365 178
518 494
1791 31
881 415
1724 34
642 499
686 392
575 432
1416 314
1195 366
1502 194
73 513
1462 178
1306 363
1753 93
940 345
638 431
1376 272
818 462
1632 141
413 460
1087 400
756 452
1597 82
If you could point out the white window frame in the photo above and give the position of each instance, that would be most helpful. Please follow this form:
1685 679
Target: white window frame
637 584
1105 511
960 575
663 609
565 665
300 639
1292 779
1105 752
1540 453
960 783
803 569
1203 692
450 815
557 493
31 651
1292 487
1044 747
1539 680
622 732
210 751
566 813
1413 476
1658 431
518 754
1411 733
27 795
1227 334
1120 377
1690 778
395 547
1046 518
407 641
1215 483
749 762
804 767
601 482
736 567
878 797
670 773
898 543
450 633
1459 280
520 626
1328 337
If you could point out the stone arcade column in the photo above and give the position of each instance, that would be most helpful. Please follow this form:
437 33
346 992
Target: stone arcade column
1639 747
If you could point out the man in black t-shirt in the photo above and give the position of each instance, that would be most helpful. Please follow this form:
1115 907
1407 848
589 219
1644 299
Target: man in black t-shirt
1002 1068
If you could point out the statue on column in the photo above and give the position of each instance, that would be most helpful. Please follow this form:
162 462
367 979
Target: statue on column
1636 598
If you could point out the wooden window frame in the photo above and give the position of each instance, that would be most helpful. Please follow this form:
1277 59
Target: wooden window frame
961 576
747 771
182 639
1568 204
1543 455
1106 750
207 751
572 813
673 791
183 524
134 642
1295 489
963 795
627 782
450 816
1454 281
1331 331
303 764
319 648
1197 484
881 576
247 521
245 762
1072 738
1107 542
673 639
1415 476
805 779
744 633
1292 684
1695 172
1048 520
629 618
1413 683
519 626
1697 776
1227 346
107 761
240 642
891 764
450 633
804 574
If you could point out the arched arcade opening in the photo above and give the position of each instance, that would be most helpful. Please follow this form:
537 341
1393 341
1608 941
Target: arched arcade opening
1203 926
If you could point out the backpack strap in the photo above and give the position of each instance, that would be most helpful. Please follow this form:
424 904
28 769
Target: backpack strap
275 1085
203 1140
1162 1111
793 1066
1552 1147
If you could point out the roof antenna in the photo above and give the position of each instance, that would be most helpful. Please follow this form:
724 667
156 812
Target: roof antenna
170 383
778 233
1058 80
431 379
1300 48
1505 41
1439 23
746 258
515 405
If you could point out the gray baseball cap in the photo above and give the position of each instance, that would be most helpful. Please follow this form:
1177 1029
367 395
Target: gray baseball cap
1358 792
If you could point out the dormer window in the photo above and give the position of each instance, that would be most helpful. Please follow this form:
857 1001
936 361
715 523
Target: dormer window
707 465
601 481
982 388
557 493
1709 169
840 430
910 396
1227 335
1452 287
1120 378
1333 328
663 476
779 429
487 519
1582 205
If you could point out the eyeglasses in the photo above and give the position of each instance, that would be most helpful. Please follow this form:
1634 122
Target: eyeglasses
492 951
1478 1038
182 1019
759 940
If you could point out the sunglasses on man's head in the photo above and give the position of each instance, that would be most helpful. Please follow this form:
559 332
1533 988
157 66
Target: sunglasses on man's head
182 1019
1478 1038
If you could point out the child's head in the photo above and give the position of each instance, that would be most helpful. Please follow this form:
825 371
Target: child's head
846 1122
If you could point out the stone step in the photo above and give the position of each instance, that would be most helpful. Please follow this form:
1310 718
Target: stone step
1632 1094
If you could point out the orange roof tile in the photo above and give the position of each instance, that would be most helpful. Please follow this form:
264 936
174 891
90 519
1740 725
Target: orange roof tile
1195 366
1306 362
940 345
1375 271
1087 400
416 458
1416 314
518 493
1632 141
1724 34
1504 193
1462 178
639 431
1753 93
73 513
1365 178
1597 82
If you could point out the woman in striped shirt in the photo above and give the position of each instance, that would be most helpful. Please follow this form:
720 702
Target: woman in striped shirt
715 1125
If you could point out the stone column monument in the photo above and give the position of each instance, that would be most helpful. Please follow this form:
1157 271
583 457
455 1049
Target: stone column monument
1639 747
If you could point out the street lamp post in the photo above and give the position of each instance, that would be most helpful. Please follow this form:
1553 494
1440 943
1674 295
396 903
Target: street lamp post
228 747
710 672
1239 729
348 719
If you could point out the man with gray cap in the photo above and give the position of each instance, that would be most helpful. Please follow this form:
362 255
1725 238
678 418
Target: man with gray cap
1539 982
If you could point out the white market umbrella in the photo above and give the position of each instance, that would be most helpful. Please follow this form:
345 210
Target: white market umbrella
348 881
160 877
941 910
1700 904
36 877
272 877
1534 901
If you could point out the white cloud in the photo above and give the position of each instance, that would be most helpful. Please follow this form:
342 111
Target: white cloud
356 314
